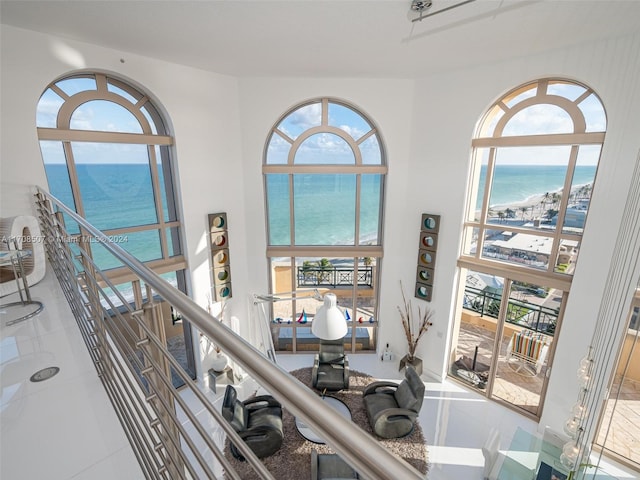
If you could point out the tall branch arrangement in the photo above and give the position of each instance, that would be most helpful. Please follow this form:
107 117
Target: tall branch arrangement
414 327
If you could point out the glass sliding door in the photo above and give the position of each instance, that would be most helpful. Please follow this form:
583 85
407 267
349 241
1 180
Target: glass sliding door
530 320
478 326
505 338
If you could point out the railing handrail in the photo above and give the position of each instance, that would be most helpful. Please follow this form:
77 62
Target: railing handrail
333 276
534 307
353 444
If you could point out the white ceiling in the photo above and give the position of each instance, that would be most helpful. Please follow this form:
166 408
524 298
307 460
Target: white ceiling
372 38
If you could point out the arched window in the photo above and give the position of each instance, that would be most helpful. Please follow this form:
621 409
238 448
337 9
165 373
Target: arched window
324 172
535 161
107 153
535 157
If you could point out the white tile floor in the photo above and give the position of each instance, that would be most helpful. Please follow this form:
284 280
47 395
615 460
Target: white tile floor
65 428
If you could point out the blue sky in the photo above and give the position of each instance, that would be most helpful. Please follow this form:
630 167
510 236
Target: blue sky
107 116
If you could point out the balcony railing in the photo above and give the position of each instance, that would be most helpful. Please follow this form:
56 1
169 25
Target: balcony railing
525 314
173 439
334 277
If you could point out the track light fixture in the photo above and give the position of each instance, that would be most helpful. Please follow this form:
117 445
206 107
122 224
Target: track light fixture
422 5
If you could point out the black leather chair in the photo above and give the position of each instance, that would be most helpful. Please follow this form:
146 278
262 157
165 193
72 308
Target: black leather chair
393 408
257 420
327 466
330 367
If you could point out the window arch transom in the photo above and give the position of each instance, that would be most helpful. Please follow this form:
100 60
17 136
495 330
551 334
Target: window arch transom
324 156
535 159
107 153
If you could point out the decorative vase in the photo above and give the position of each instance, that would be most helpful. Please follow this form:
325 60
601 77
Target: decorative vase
415 362
219 362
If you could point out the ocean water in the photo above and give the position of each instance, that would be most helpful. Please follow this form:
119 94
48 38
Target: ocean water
323 199
517 183
121 195
115 196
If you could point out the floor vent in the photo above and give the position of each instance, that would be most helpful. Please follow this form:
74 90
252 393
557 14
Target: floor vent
44 374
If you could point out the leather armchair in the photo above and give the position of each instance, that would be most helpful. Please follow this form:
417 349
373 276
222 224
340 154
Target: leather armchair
327 466
330 367
393 408
257 420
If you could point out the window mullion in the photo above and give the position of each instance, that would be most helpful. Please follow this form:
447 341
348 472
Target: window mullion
588 138
77 194
325 112
486 197
71 135
73 178
155 185
292 212
101 83
356 240
59 91
562 209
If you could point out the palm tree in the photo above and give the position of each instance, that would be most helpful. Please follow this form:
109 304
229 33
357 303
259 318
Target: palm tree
551 213
307 270
541 205
523 210
501 215
325 266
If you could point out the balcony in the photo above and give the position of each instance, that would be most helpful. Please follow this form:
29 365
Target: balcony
333 277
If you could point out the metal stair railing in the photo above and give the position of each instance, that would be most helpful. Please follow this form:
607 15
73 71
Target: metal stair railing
127 344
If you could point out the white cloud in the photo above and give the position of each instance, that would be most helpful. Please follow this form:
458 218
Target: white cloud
539 119
307 116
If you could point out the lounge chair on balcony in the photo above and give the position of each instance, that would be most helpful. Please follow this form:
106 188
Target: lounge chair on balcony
527 352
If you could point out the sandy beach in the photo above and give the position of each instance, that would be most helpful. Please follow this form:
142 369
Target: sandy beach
536 205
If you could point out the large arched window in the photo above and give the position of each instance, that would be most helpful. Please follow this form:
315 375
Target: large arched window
106 153
535 160
535 157
324 173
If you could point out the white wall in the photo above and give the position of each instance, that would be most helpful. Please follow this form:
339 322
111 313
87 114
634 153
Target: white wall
203 111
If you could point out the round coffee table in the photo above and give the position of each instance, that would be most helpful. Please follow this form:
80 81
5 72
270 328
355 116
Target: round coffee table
312 436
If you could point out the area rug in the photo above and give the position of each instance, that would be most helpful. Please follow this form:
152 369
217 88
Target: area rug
293 460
